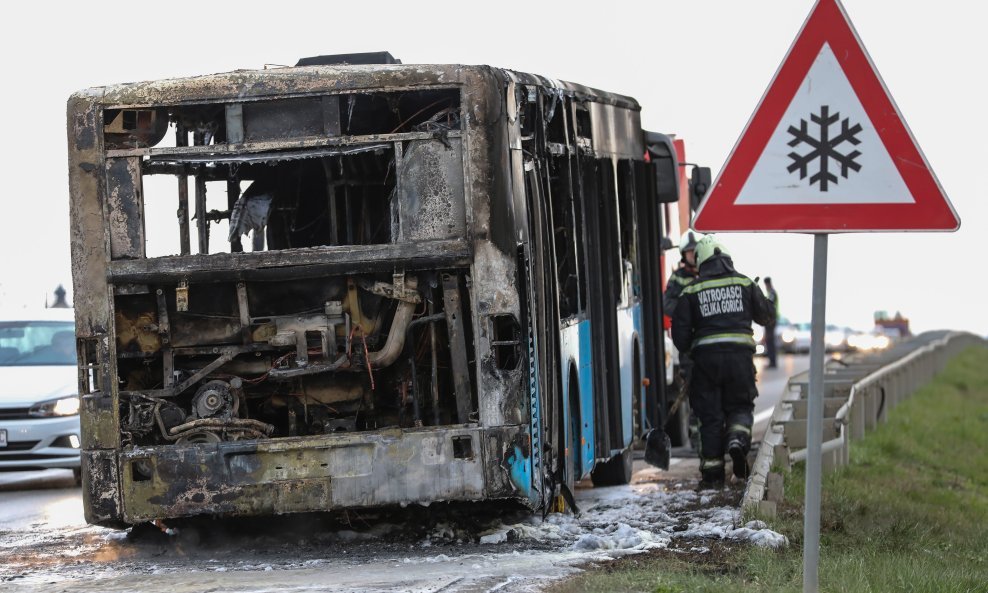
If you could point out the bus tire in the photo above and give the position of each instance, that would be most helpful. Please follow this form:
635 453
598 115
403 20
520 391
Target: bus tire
615 471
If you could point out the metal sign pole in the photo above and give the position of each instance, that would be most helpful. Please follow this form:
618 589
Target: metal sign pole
814 420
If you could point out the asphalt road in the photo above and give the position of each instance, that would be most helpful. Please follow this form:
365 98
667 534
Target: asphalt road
40 512
772 386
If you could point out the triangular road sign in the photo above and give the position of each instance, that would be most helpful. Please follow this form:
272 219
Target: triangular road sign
826 150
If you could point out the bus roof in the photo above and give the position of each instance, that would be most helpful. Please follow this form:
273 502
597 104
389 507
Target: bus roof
302 80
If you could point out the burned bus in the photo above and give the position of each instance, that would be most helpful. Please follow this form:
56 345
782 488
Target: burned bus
345 286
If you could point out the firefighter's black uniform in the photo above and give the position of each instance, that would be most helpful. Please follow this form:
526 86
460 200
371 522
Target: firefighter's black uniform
713 323
678 280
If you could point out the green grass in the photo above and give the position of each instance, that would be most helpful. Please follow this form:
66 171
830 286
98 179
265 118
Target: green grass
909 514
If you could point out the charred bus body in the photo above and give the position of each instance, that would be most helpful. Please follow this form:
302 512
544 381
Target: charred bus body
384 285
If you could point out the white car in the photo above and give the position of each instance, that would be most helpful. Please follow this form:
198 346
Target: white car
782 330
835 338
864 342
39 401
795 338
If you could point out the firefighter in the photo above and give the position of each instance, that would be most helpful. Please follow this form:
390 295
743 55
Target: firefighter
771 350
685 273
712 322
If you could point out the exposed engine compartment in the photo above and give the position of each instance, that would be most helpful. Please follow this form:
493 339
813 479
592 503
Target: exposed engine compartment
224 362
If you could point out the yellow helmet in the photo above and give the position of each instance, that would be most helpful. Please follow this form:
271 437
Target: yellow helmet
708 247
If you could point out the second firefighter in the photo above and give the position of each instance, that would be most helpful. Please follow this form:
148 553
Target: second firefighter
712 322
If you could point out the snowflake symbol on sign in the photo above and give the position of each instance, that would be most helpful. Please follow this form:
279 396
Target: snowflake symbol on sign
824 148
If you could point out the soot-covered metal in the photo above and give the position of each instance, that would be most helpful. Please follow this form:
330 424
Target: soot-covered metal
326 315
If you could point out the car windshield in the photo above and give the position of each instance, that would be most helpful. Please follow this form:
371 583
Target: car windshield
27 343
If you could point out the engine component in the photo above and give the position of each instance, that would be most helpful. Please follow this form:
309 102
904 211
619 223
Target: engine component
171 415
348 424
198 437
213 400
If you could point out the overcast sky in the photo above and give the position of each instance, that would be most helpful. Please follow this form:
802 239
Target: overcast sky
698 68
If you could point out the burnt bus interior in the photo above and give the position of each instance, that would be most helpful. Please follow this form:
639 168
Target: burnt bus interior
303 349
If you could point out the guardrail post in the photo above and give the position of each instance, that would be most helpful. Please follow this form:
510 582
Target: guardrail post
882 403
871 406
845 450
781 456
858 411
896 390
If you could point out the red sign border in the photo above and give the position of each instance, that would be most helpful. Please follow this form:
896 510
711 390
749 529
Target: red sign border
931 211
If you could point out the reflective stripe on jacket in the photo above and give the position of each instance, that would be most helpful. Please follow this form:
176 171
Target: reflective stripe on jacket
717 309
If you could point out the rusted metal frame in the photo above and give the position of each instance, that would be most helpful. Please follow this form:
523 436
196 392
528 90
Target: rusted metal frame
396 203
128 289
457 347
244 309
238 93
431 319
232 194
208 350
308 369
327 168
164 330
341 259
238 478
435 367
236 423
347 210
269 145
208 172
182 140
202 223
226 355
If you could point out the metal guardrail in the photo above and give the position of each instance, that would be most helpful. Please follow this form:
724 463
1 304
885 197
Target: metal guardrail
858 394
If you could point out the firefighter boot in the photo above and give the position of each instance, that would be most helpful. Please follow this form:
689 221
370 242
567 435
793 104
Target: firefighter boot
738 445
711 474
739 457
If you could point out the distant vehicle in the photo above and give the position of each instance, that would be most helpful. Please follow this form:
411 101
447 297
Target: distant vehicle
795 338
835 338
782 326
864 341
758 333
895 326
39 401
